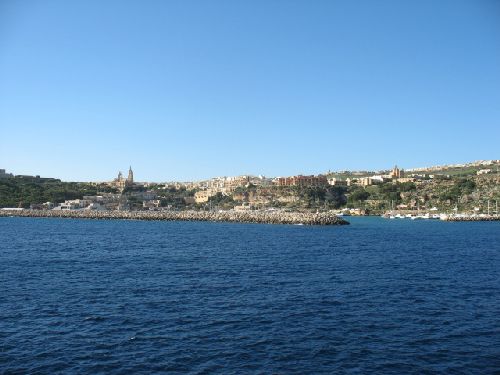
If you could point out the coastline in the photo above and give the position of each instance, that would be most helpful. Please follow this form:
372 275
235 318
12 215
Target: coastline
257 217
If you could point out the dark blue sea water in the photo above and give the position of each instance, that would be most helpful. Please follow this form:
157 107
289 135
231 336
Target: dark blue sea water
378 296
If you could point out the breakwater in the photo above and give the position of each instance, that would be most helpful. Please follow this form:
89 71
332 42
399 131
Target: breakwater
471 218
264 217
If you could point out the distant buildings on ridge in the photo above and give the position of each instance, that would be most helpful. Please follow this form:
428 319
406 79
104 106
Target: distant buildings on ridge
3 174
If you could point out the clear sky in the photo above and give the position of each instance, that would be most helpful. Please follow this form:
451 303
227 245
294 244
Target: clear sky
185 90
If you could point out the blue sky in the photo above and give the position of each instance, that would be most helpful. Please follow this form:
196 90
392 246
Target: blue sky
185 90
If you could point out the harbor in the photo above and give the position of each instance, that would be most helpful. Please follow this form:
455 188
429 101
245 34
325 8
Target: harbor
465 217
442 216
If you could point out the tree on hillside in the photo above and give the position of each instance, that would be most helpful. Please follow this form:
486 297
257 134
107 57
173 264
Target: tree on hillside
358 195
335 196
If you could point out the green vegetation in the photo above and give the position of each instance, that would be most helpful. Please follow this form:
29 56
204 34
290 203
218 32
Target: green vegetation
335 196
133 189
392 193
173 197
357 195
460 188
222 201
21 191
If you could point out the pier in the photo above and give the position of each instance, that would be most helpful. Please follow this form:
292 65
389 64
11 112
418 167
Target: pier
264 217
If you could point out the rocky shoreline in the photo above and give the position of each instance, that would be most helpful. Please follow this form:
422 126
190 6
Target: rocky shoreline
263 217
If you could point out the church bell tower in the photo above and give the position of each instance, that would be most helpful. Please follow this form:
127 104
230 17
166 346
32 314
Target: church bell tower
130 178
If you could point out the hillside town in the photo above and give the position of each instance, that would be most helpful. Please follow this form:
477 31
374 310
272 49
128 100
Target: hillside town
471 188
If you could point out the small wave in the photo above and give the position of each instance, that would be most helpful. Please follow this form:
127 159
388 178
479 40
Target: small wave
94 318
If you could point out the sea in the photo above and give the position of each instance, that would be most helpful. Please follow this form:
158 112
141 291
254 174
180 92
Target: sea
132 297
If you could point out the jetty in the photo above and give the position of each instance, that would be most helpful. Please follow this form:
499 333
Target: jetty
264 217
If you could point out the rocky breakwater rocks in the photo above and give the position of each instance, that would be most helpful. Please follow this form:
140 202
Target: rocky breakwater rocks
265 217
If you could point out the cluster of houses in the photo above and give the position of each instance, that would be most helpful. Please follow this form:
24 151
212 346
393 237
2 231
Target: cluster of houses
395 175
265 193
103 202
477 163
107 201
225 186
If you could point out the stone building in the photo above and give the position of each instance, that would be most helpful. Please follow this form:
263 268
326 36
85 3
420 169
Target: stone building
396 172
202 196
121 183
300 180
337 182
231 183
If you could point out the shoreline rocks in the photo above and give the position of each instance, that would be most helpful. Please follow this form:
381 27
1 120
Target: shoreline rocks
263 217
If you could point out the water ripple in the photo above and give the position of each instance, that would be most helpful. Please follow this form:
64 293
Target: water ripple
81 296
